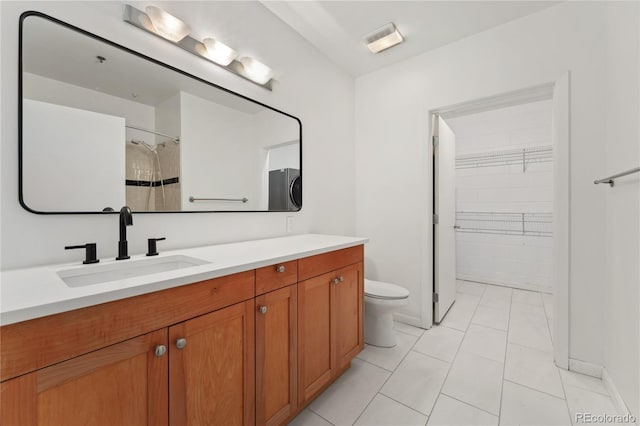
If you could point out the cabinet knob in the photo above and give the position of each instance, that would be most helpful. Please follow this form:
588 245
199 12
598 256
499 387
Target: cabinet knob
340 278
280 268
262 309
181 343
335 280
160 350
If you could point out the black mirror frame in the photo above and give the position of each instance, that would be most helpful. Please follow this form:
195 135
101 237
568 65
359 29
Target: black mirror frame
27 14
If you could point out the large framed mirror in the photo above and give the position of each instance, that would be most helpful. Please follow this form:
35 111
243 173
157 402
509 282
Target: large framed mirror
102 126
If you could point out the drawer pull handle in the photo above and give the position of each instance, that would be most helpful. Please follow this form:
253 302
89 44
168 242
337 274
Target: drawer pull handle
280 268
181 343
160 350
262 309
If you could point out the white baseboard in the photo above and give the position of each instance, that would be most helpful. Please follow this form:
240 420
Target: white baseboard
520 286
582 367
613 393
407 319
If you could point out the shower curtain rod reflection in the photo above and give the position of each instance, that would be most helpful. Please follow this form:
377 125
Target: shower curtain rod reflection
176 139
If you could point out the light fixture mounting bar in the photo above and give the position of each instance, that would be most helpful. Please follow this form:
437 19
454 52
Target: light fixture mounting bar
135 17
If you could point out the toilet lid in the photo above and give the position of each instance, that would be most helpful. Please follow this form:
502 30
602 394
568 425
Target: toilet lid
382 290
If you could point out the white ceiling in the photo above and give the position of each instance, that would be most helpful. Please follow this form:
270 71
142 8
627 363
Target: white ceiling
338 28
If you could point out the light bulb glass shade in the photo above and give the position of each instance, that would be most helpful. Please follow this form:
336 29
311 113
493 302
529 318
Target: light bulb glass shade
219 52
384 38
167 25
256 70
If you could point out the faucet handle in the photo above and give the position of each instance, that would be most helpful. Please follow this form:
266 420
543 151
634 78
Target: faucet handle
153 250
90 254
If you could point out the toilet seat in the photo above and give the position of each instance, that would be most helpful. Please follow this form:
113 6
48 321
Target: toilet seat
385 291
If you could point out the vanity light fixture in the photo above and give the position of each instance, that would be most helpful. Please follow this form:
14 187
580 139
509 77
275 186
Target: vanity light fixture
219 52
166 25
158 22
384 38
256 70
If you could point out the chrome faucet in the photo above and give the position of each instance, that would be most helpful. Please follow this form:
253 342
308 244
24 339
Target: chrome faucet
126 219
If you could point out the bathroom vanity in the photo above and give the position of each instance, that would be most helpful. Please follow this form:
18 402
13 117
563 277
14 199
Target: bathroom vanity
250 337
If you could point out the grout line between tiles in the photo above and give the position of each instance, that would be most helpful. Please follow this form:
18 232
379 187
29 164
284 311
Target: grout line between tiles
310 409
504 364
537 390
375 365
469 404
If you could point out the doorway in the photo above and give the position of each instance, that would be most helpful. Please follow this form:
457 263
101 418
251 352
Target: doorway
511 229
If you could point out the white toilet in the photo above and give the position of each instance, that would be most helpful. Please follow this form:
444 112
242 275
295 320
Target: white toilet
380 301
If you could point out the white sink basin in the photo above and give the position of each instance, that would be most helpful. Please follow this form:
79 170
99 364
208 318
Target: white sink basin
90 275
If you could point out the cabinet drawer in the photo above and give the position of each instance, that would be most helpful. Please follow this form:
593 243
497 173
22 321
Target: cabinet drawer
30 345
276 276
313 266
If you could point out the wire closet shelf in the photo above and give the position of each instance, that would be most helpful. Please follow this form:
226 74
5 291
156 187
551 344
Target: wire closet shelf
501 223
523 156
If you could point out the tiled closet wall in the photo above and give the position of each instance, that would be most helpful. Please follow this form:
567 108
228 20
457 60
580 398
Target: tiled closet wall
493 195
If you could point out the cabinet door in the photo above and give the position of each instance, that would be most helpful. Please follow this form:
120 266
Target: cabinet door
276 356
211 371
316 359
348 300
125 383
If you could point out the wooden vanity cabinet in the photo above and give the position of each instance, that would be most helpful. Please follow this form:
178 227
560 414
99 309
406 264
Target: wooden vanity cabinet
211 368
249 348
122 384
330 318
276 356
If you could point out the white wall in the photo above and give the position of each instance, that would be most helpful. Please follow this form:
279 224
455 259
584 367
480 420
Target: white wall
514 260
220 158
77 168
622 220
392 136
308 86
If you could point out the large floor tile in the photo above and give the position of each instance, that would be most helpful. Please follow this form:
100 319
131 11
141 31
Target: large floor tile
486 342
385 411
526 297
582 401
408 329
528 327
449 411
582 381
440 342
492 317
344 400
417 381
524 406
309 418
475 380
389 358
468 287
460 314
534 369
496 297
528 313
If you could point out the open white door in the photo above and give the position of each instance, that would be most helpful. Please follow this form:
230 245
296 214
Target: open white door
444 209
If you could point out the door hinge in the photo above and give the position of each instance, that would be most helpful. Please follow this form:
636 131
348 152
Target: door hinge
436 297
436 219
434 141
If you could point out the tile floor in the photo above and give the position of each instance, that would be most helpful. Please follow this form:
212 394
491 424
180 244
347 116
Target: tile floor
490 362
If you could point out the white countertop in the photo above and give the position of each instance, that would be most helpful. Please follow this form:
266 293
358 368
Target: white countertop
36 292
